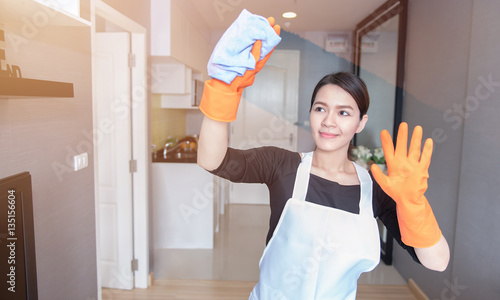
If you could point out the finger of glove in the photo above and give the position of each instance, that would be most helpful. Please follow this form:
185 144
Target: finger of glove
425 160
387 146
249 76
260 64
415 144
271 21
277 29
257 47
380 177
258 43
247 79
402 140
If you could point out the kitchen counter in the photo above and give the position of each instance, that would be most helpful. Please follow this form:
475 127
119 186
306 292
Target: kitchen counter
183 205
182 151
175 157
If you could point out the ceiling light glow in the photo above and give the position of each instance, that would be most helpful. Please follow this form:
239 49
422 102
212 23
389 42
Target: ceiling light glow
289 15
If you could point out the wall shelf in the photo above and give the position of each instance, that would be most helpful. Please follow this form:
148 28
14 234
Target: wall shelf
30 16
35 88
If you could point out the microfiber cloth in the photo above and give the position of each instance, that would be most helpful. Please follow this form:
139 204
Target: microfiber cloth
232 55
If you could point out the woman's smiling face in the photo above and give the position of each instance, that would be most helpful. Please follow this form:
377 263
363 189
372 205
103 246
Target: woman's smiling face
334 118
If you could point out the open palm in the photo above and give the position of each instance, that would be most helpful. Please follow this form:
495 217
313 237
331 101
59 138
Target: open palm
407 171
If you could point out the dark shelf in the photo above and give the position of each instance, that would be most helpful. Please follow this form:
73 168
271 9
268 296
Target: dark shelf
35 88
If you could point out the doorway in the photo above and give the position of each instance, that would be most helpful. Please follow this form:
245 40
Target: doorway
121 149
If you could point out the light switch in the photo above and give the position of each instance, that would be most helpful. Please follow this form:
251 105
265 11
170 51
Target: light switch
81 161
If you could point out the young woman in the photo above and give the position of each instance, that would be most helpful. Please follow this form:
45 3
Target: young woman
323 233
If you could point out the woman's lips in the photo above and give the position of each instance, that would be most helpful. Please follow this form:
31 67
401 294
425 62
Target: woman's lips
327 135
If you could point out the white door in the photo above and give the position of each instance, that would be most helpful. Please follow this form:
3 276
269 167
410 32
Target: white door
267 116
114 152
140 154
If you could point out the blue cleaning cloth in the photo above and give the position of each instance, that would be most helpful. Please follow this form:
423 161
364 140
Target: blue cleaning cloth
232 55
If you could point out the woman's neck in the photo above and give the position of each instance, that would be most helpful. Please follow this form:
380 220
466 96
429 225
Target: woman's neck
331 161
334 166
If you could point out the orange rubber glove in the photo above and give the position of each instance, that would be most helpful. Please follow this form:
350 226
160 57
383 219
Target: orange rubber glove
220 100
406 183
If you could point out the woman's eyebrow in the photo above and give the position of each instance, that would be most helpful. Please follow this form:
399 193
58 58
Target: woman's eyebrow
320 103
343 107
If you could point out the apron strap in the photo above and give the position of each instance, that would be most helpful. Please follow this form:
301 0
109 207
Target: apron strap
365 202
302 177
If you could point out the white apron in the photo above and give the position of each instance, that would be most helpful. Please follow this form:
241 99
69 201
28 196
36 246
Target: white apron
318 252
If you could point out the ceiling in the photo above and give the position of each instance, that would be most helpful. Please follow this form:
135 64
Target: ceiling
312 15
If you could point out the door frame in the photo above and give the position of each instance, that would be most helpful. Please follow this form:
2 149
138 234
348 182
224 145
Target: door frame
140 134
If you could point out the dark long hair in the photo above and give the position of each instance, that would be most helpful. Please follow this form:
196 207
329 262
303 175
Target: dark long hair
353 85
350 83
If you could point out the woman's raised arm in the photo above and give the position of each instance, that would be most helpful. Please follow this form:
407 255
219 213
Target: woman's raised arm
212 145
220 102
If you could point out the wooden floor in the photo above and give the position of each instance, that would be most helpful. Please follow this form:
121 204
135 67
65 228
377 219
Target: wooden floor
234 290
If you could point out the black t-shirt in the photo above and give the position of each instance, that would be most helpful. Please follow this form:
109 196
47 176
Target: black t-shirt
277 168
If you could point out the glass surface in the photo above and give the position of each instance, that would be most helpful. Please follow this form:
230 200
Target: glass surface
378 65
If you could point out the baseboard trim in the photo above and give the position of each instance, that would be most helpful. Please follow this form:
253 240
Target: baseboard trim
415 289
150 279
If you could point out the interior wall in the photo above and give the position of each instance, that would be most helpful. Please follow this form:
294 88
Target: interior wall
451 89
476 261
166 123
40 135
